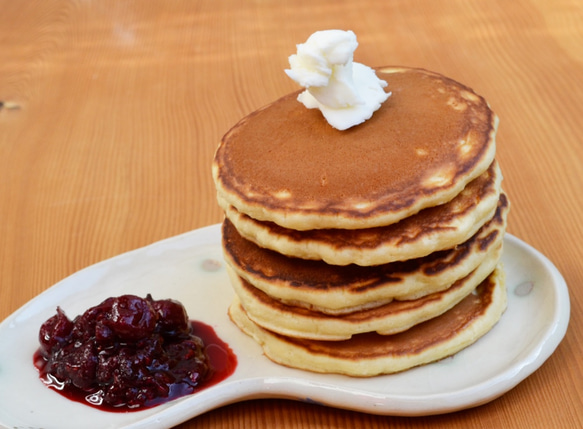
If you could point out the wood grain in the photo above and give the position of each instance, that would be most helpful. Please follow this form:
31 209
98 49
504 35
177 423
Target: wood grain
110 113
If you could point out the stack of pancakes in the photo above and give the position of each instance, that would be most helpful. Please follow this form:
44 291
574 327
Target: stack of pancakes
371 250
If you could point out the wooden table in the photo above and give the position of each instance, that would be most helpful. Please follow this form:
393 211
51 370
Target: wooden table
111 112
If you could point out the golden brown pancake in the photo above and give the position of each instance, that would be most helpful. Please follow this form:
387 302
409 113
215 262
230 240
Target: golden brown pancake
343 289
433 229
285 164
372 354
391 318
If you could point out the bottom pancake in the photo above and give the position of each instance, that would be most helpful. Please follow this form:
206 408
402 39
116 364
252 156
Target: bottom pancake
371 354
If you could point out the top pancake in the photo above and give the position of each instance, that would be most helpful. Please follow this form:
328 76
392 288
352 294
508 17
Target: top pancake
285 164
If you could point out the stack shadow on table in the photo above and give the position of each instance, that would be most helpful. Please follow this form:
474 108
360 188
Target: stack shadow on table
372 250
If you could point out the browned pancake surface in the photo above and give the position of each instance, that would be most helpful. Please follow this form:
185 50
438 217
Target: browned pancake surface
426 335
430 230
427 137
371 354
315 276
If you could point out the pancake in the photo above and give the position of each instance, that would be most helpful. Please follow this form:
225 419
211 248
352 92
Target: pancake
372 354
393 317
343 289
433 229
285 164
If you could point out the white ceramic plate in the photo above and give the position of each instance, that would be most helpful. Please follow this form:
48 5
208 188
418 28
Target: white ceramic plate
189 268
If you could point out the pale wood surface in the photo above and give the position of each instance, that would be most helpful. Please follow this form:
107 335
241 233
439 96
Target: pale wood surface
112 111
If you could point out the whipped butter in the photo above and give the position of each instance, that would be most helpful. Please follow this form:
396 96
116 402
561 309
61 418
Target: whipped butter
347 93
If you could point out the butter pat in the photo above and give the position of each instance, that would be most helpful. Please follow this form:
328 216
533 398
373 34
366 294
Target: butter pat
347 93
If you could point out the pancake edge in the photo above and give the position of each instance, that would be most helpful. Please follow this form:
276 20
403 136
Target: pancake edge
286 320
294 356
334 300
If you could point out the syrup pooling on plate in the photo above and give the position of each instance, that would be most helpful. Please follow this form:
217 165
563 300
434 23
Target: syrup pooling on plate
130 353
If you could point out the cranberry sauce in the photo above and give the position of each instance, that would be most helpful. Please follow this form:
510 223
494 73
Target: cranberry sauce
130 353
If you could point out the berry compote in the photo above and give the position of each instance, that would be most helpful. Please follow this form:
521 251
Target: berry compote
130 353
